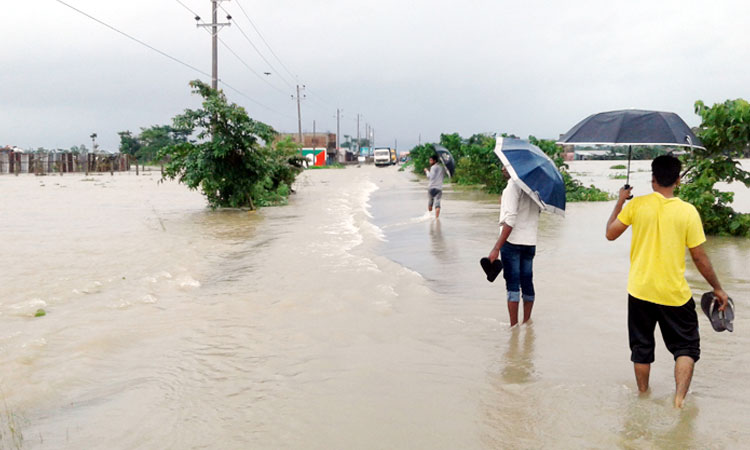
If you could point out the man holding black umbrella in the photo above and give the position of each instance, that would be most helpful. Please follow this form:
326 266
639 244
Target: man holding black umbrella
663 225
435 175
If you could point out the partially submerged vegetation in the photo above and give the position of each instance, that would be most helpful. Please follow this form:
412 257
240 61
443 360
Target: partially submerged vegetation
11 435
329 166
235 161
725 132
477 165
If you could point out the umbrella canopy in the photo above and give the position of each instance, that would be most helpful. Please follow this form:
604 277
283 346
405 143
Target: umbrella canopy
534 172
447 159
632 127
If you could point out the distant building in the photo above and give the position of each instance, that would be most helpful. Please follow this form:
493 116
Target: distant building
319 148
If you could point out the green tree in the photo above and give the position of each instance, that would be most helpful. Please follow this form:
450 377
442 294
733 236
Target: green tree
157 137
78 149
420 157
234 162
453 142
129 144
725 132
478 164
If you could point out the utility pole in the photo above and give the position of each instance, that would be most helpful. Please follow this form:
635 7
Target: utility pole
338 129
299 115
358 151
420 139
215 27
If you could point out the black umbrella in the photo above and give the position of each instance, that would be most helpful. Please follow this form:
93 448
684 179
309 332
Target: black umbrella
632 127
447 159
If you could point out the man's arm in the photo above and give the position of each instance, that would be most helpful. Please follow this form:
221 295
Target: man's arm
500 242
614 227
707 270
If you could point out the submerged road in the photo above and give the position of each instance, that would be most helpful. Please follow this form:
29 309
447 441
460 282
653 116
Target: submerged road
348 319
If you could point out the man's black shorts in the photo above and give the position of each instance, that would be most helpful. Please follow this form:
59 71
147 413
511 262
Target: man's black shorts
678 325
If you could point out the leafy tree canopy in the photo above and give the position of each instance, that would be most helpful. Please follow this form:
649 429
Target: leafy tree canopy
477 164
234 161
129 144
725 132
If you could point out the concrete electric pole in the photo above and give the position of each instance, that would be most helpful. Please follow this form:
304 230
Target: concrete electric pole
215 27
358 151
299 115
338 130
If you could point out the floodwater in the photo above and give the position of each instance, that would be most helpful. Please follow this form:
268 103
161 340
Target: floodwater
348 319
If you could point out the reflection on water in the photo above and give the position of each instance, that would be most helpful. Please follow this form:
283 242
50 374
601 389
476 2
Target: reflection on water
518 359
654 424
348 319
437 240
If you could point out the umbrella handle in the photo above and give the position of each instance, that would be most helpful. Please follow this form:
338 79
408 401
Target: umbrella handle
627 186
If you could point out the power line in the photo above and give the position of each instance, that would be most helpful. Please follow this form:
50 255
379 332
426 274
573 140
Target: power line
132 38
255 101
320 98
188 8
315 97
232 51
166 54
259 53
250 68
264 40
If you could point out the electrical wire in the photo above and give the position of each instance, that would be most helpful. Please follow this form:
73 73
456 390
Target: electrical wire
188 8
318 102
132 38
167 55
233 52
264 39
320 98
278 72
250 68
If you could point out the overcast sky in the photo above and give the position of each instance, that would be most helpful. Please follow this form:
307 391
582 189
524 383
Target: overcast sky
408 67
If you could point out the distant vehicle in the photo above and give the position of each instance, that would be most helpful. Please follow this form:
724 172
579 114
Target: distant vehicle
394 156
382 156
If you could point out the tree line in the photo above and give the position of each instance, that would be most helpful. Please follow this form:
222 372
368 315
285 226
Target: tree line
477 164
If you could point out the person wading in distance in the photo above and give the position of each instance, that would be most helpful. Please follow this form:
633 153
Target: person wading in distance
435 175
663 226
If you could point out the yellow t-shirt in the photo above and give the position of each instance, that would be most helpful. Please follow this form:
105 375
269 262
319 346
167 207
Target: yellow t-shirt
662 228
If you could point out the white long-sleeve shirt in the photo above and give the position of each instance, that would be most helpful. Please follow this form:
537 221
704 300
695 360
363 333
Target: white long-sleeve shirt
435 177
519 211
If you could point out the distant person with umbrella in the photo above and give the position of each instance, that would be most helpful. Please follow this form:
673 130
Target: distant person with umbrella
663 225
534 184
435 175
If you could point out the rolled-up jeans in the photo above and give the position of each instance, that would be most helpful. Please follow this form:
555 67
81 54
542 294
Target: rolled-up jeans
518 271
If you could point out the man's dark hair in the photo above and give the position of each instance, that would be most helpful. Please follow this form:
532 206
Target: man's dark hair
666 170
435 157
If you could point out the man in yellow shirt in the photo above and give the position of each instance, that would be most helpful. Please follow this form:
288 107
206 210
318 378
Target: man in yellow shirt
663 226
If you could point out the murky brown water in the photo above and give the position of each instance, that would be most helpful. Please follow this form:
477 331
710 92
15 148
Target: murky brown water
348 319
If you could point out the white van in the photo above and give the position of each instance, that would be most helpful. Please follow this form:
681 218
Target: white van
382 156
